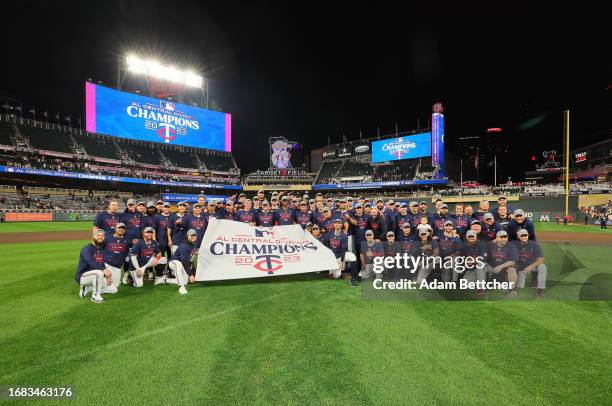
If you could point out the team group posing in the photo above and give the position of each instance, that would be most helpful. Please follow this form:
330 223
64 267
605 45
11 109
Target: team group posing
150 242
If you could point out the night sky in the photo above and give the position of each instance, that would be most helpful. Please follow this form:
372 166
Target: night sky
320 71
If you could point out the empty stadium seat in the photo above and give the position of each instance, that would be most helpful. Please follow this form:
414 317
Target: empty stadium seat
98 146
50 140
180 157
5 133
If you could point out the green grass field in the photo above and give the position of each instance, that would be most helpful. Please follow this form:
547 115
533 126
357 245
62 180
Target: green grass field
573 228
27 227
299 340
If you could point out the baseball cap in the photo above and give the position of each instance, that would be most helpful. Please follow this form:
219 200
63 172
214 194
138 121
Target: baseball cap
148 229
309 224
141 203
151 204
390 233
413 203
99 231
191 232
160 201
404 205
311 201
379 200
201 196
367 205
319 194
488 216
423 231
519 212
350 199
406 225
182 204
449 222
241 195
119 225
423 202
444 206
338 221
369 232
501 233
475 222
502 197
358 205
284 198
470 233
305 196
260 191
391 202
522 231
341 200
166 204
131 201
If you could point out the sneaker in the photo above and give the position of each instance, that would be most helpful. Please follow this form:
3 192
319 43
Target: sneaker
151 276
171 281
183 290
353 284
540 293
126 278
97 298
160 280
84 291
511 293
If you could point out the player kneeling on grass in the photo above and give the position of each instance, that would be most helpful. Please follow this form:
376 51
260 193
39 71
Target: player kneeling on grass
503 258
181 261
530 259
115 252
92 275
471 250
143 255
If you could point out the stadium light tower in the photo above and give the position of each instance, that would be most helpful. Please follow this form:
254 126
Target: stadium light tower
153 68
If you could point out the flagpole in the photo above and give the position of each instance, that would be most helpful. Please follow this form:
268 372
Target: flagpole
461 175
495 171
566 114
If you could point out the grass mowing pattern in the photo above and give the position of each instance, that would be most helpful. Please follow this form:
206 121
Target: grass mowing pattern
27 227
572 228
289 340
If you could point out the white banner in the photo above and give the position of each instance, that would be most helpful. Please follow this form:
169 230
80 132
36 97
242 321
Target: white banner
233 250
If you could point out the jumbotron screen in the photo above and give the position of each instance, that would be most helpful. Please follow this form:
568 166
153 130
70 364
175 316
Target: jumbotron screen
112 112
394 149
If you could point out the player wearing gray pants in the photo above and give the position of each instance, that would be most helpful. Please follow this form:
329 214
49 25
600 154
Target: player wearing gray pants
91 274
530 259
541 273
181 261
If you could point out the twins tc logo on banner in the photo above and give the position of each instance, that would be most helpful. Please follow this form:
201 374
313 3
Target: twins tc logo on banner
164 119
398 147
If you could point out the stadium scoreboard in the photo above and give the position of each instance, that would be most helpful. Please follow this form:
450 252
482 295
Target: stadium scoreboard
121 114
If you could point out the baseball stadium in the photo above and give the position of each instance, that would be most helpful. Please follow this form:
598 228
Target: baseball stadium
179 234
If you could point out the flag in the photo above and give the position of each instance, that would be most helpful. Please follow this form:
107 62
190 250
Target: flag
6 106
46 113
233 250
477 158
57 116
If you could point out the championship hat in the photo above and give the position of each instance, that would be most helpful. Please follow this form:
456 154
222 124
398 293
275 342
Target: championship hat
149 229
488 216
449 222
119 225
521 232
519 212
501 233
151 204
369 232
470 233
390 234
131 201
191 232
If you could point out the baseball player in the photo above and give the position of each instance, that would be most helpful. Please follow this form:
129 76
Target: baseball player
247 214
196 221
265 217
473 248
502 201
503 257
115 253
530 260
284 214
462 221
391 248
483 207
132 218
502 217
164 240
337 241
144 255
491 226
428 248
106 220
181 262
439 218
150 220
520 222
378 225
91 275
449 243
370 249
177 233
302 216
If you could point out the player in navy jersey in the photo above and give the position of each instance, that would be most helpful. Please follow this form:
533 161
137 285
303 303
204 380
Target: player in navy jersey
390 247
390 215
316 233
438 219
483 207
408 244
116 249
318 214
480 230
228 212
462 221
337 241
181 261
328 220
107 219
378 225
427 248
401 218
163 237
449 244
468 210
177 233
284 214
423 210
265 217
502 217
503 257
492 227
414 216
132 219
247 214
359 222
502 201
144 254
196 221
303 216
530 260
92 275
150 220
141 207
473 249
370 249
520 222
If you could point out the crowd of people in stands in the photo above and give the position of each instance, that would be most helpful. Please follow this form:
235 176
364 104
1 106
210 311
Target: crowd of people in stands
148 241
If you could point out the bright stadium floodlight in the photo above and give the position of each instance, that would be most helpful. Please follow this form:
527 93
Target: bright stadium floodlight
157 70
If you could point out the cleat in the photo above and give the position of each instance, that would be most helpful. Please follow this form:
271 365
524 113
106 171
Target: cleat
126 278
97 298
84 292
171 281
183 290
160 280
540 293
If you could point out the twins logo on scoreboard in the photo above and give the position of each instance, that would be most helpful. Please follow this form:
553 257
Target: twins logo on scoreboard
398 147
165 120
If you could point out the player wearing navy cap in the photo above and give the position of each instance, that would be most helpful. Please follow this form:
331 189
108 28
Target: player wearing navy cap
177 233
181 261
438 219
